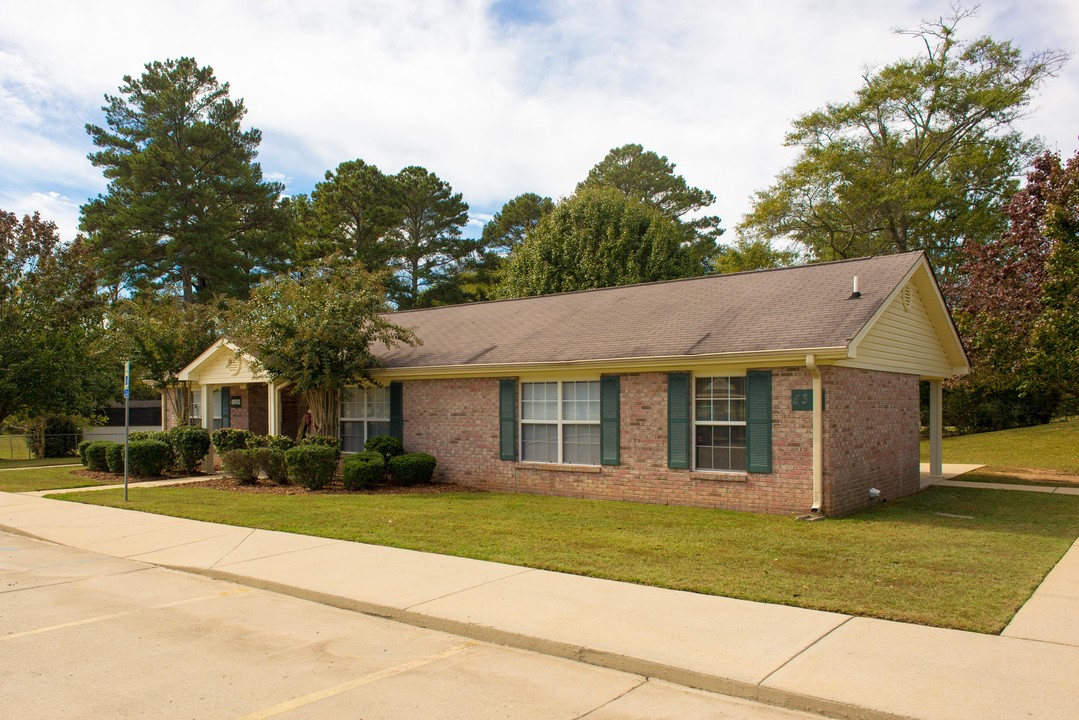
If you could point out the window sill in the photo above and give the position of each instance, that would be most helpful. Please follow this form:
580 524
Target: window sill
719 476
560 467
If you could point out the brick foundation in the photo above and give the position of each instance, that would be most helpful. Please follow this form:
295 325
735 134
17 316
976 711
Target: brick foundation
870 435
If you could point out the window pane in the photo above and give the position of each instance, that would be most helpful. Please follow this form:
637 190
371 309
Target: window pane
376 428
351 403
738 387
738 410
351 436
539 443
580 444
704 387
580 401
539 401
704 409
378 403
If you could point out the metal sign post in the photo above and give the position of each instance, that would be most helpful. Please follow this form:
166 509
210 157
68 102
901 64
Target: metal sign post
127 417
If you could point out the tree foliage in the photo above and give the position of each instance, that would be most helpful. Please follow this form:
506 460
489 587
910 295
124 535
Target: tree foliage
752 254
353 210
186 205
160 336
52 358
512 224
648 177
597 238
1018 295
429 237
924 156
318 330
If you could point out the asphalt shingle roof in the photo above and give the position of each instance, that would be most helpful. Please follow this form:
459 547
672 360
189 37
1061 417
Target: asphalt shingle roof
795 308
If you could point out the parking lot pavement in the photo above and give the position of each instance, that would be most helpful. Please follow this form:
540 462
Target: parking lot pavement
84 635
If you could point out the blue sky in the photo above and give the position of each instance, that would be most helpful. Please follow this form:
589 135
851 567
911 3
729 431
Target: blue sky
497 98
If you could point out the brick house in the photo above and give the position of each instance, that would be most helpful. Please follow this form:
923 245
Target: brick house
787 391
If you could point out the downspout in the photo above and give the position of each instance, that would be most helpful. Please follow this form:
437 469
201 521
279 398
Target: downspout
818 433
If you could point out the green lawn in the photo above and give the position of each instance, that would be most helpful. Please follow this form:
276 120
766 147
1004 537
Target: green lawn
44 479
1050 447
901 560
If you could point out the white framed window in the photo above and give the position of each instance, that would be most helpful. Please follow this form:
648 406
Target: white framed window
365 413
719 423
220 411
560 422
195 416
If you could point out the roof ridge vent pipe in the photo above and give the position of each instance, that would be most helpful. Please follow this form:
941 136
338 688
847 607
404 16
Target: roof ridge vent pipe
856 288
818 433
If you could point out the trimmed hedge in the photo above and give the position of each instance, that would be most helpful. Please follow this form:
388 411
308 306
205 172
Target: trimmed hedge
276 469
325 441
114 457
95 455
227 439
412 468
161 436
386 445
362 470
147 458
82 451
189 446
241 465
311 465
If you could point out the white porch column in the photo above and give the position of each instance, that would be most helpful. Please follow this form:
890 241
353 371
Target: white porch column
208 423
272 413
936 430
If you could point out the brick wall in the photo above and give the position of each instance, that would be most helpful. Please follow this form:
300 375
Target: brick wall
871 437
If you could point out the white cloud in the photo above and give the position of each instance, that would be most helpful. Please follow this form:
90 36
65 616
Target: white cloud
495 107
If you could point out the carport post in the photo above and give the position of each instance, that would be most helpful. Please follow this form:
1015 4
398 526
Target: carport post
936 454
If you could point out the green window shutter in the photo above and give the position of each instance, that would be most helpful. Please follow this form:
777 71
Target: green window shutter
679 420
507 419
609 432
759 421
397 415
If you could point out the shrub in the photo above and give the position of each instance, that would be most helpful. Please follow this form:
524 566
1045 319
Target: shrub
114 456
147 458
280 443
61 438
158 436
362 470
276 469
240 464
311 464
189 445
386 445
412 468
227 439
95 455
324 441
82 451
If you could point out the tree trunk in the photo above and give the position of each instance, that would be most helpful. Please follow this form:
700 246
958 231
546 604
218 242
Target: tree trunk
324 405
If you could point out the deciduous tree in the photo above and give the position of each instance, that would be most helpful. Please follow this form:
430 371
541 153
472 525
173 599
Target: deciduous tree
599 237
924 157
1018 295
316 329
52 358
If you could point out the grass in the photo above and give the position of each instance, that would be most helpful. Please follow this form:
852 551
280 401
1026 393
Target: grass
44 479
901 560
1047 447
37 462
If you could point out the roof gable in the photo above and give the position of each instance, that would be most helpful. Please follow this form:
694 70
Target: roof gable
221 364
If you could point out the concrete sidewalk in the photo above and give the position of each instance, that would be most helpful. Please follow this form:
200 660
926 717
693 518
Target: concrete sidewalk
792 657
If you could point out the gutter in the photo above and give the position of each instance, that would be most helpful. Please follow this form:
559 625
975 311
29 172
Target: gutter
818 433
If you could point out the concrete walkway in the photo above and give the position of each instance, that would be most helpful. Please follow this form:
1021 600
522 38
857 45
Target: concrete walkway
802 659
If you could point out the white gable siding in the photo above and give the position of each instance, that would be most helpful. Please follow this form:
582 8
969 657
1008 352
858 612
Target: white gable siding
903 340
221 369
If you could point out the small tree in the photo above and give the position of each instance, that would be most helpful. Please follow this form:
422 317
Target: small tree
318 330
